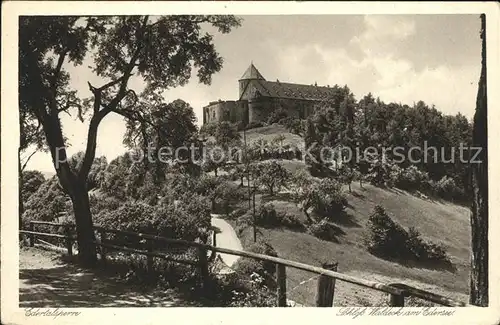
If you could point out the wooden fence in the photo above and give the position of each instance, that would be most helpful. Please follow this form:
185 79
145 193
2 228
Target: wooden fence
327 273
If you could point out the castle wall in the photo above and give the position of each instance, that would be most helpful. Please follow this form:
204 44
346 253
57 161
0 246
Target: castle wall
212 112
231 111
260 109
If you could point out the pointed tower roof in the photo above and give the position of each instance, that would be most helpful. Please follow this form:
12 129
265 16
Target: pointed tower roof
252 73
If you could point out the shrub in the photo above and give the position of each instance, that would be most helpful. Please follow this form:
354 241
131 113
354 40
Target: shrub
46 203
267 216
103 203
237 213
248 266
189 220
322 230
325 197
422 250
31 181
379 172
410 178
329 200
447 189
386 238
241 290
243 222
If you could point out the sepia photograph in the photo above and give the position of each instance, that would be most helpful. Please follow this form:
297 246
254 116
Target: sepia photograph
264 160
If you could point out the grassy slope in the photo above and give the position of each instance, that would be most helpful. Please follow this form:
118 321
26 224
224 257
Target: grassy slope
437 221
268 133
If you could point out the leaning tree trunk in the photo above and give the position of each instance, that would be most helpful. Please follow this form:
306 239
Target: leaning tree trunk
479 216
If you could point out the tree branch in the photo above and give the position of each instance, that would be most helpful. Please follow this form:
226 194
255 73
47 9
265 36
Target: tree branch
27 160
100 114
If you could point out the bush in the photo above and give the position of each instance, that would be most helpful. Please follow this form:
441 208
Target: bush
385 237
240 290
447 189
410 178
248 266
423 250
188 220
243 222
267 216
237 213
388 239
329 200
325 197
322 230
31 180
46 203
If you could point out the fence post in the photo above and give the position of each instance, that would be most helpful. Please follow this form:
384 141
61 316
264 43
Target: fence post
281 284
326 287
397 300
69 240
203 265
149 257
32 236
214 244
103 249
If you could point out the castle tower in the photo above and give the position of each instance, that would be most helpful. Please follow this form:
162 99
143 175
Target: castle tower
250 74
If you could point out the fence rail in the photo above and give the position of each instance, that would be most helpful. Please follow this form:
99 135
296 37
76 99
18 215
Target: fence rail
326 282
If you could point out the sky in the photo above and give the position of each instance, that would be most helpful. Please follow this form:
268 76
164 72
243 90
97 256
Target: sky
400 58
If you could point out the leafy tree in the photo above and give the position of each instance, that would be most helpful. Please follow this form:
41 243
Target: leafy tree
303 186
324 196
226 134
32 179
224 147
273 176
161 51
346 175
46 203
165 137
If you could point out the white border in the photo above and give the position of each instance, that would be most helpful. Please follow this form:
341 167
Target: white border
11 313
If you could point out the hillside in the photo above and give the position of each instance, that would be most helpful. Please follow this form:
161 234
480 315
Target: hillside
268 133
437 221
440 222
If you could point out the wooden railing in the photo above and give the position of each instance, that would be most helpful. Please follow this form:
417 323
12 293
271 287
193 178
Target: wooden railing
327 273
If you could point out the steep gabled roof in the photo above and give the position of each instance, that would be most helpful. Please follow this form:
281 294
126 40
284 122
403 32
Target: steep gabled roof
252 73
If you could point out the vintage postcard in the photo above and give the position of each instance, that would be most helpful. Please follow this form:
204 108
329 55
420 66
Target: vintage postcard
209 155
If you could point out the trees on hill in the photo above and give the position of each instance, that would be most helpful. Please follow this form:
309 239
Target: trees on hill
273 176
160 51
371 137
32 180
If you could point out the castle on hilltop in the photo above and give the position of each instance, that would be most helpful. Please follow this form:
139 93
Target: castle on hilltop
258 98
